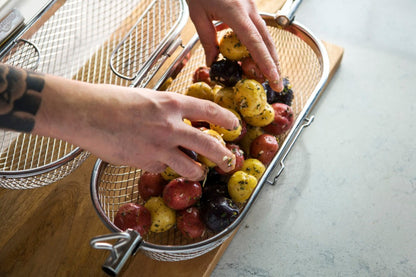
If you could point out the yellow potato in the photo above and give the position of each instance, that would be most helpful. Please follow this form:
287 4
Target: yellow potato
232 48
216 88
250 97
228 135
187 121
253 167
225 98
252 133
204 159
200 90
163 217
240 186
169 174
263 119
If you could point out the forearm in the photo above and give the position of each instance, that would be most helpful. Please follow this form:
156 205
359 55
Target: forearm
20 98
41 104
131 126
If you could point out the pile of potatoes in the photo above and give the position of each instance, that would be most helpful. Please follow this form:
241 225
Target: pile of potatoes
235 83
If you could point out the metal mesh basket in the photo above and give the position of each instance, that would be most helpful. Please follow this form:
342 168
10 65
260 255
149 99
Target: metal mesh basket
95 41
303 59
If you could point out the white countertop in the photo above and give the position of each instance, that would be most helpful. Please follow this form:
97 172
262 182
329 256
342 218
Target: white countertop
346 203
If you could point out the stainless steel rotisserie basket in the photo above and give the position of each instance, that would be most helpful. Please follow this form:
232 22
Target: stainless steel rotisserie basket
303 59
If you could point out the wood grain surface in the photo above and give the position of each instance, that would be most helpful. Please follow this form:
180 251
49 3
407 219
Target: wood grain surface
46 231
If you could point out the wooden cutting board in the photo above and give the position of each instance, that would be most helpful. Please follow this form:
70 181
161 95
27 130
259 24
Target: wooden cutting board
46 231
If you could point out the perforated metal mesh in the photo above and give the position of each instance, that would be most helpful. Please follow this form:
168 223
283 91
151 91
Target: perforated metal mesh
77 42
144 38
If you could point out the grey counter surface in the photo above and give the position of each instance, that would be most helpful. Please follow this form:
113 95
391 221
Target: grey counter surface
346 203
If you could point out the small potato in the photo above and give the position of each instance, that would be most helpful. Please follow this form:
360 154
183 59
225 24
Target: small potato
253 167
200 90
264 148
240 186
151 184
189 222
187 121
204 159
251 70
201 74
169 174
250 97
225 98
251 134
232 48
283 119
163 217
229 135
180 194
263 119
133 216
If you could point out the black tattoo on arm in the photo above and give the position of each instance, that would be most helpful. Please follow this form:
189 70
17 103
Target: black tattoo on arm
20 97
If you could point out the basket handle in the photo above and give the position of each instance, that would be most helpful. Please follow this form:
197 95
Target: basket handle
286 14
308 122
127 244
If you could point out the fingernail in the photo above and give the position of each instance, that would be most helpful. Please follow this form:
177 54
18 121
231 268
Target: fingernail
275 78
230 162
236 123
276 82
205 173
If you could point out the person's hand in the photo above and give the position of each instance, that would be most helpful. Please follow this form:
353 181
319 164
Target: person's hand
243 18
136 127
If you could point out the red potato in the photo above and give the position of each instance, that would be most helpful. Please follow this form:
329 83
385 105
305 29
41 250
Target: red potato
283 119
251 70
201 74
151 184
133 216
180 194
189 222
264 147
239 159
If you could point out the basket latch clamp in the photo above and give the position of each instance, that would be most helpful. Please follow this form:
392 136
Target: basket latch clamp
126 245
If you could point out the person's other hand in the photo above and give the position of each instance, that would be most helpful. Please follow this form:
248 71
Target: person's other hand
243 18
136 127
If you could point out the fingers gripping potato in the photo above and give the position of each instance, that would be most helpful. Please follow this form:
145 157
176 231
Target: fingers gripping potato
229 135
204 159
232 48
